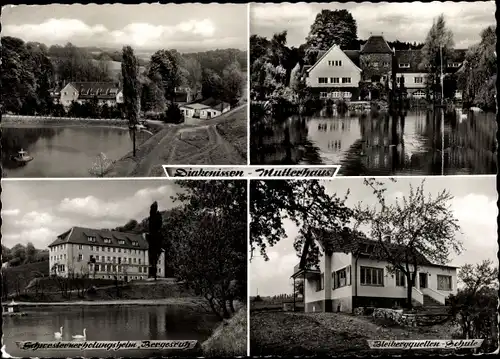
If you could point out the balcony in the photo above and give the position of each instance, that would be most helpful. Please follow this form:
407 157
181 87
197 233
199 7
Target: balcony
307 273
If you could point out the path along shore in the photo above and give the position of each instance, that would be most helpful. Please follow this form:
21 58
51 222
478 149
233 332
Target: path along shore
163 301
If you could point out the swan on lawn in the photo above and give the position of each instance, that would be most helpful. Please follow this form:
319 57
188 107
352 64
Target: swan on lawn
84 336
58 335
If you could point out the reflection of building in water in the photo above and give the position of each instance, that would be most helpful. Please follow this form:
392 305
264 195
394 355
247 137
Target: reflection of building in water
382 142
333 136
471 144
284 143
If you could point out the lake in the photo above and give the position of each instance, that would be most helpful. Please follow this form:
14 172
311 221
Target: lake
63 151
163 322
421 143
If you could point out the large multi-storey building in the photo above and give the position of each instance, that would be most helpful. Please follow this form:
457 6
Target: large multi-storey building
340 73
101 254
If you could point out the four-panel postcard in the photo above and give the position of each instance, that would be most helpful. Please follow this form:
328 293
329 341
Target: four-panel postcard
249 180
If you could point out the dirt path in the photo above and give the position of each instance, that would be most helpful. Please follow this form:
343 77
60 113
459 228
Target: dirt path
180 145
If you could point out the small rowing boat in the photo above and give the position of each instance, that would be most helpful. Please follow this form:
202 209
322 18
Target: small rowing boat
22 157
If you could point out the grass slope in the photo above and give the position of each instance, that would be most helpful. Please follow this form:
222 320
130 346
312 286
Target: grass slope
229 339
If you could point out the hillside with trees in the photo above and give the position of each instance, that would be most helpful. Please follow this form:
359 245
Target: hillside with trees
23 254
31 70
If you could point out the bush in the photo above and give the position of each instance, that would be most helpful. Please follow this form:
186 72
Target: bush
172 114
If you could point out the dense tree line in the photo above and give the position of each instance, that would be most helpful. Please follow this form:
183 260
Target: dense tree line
31 70
204 241
479 73
23 254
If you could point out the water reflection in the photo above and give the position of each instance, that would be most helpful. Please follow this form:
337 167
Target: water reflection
107 323
62 151
420 143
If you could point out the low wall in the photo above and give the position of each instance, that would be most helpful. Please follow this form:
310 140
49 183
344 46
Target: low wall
397 316
49 120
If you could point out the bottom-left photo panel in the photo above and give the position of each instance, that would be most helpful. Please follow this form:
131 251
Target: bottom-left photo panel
124 268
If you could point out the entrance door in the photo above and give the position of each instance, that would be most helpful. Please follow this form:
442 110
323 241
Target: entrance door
423 280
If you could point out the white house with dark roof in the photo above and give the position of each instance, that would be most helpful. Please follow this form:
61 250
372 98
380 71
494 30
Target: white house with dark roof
101 254
205 109
108 93
334 75
374 62
357 277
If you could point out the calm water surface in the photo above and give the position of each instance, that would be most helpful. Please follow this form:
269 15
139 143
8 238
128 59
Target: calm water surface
107 323
418 144
63 151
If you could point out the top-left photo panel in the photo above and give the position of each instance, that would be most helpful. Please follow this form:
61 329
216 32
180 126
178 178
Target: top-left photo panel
121 90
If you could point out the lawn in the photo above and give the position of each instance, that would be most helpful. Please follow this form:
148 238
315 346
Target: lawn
288 333
235 131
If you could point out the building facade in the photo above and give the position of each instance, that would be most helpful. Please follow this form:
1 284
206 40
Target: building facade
205 109
373 63
345 281
108 93
101 254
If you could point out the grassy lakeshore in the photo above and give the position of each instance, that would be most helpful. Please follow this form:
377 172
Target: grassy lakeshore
195 301
19 121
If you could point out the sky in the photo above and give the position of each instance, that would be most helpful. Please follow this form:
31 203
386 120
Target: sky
185 27
474 206
395 21
38 211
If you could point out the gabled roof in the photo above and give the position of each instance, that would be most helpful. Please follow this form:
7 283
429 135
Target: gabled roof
363 247
411 57
376 45
327 52
79 235
353 55
215 104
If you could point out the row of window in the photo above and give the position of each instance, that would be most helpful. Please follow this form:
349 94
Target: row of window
103 249
370 276
116 268
416 80
102 259
335 63
335 94
334 80
377 65
407 65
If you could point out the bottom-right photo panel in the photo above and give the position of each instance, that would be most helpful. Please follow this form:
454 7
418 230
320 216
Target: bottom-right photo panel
374 266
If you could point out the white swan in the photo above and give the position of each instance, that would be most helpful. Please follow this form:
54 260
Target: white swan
79 337
58 335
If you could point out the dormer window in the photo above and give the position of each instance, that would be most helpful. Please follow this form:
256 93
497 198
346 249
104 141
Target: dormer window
404 66
135 243
121 241
91 238
107 240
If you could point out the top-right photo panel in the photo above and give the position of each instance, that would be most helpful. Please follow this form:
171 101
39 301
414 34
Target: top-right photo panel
381 89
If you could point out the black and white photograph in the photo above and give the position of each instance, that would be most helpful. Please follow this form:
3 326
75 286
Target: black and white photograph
382 89
124 260
119 90
337 263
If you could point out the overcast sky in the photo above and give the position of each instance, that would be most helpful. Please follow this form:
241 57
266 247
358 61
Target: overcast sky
397 21
474 205
185 27
38 211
